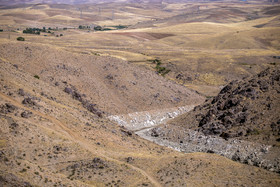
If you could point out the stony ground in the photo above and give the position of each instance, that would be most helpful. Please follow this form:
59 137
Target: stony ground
54 135
241 123
59 92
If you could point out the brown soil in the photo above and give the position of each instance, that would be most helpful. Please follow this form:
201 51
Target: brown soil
60 142
145 35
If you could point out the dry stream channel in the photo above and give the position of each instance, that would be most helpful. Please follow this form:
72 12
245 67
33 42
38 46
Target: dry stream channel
150 125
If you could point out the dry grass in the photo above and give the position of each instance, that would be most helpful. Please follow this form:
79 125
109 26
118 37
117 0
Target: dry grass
210 53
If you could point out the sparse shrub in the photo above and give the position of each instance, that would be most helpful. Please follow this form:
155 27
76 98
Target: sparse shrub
36 76
155 61
20 38
61 34
160 70
98 28
120 27
23 170
97 54
107 29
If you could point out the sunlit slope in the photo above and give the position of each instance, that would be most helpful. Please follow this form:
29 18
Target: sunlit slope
49 137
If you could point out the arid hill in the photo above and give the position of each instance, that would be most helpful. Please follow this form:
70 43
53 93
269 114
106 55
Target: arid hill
247 109
115 86
83 96
241 123
54 135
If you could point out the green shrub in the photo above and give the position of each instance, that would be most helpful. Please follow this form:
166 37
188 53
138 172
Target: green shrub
36 76
32 31
107 29
160 70
98 28
20 38
120 27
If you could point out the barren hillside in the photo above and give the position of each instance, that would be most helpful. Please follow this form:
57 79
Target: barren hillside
88 94
49 137
241 123
115 86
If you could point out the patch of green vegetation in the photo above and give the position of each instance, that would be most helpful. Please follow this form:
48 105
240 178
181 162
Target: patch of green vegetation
33 31
160 70
107 29
155 61
20 38
83 27
96 54
36 76
119 26
98 28
247 64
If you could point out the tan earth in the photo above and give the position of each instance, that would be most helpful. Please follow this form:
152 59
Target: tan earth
58 89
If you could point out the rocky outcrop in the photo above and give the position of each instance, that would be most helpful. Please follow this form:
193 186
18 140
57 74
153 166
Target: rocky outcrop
241 123
243 109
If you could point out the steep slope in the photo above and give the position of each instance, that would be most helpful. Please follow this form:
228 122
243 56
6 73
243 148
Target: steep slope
113 85
248 109
241 123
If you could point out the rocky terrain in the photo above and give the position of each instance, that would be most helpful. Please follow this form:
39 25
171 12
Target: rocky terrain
241 123
113 94
111 84
55 131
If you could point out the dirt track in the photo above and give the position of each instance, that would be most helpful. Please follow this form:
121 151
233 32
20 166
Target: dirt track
75 137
